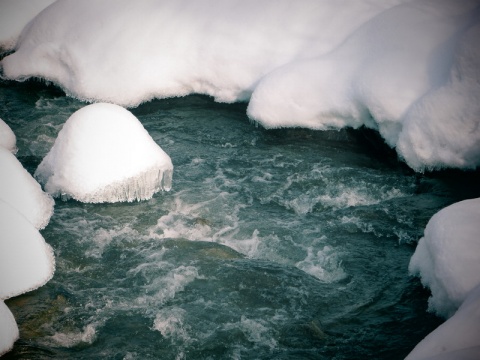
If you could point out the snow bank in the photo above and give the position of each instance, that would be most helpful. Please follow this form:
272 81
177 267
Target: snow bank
447 259
409 69
8 329
26 260
104 154
458 338
19 189
8 139
14 15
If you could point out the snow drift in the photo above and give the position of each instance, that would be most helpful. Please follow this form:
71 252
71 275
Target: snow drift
447 260
458 338
19 189
447 257
14 15
104 154
8 140
8 329
410 69
26 263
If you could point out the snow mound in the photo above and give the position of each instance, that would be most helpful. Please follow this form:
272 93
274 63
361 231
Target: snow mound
14 15
104 154
8 139
8 329
20 190
407 68
447 257
458 338
447 260
26 260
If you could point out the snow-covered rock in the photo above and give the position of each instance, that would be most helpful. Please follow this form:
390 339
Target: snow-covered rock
26 260
104 154
447 259
8 139
19 189
8 329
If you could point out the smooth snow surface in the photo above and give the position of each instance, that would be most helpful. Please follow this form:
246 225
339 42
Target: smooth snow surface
104 154
410 69
447 257
7 137
14 15
456 339
19 189
8 329
26 260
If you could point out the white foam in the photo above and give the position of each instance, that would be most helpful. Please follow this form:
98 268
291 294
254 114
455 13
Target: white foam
71 339
8 329
170 323
325 264
8 139
256 331
446 258
26 260
104 154
162 289
19 189
409 69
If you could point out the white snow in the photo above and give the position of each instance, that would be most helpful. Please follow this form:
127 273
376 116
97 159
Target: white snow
104 154
456 339
447 260
26 260
19 189
447 257
8 140
8 329
410 69
14 15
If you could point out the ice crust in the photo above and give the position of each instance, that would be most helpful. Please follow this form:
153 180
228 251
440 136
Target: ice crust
447 260
19 189
8 140
410 69
104 154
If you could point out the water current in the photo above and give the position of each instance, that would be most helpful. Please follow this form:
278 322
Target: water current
272 244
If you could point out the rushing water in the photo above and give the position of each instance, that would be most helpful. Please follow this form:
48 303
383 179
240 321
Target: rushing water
272 244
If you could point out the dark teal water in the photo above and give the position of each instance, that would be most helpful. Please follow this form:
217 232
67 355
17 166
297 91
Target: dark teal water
272 244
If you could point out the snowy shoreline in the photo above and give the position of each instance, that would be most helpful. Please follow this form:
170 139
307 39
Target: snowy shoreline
422 100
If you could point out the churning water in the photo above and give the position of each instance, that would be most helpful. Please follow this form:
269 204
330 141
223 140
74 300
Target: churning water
272 244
